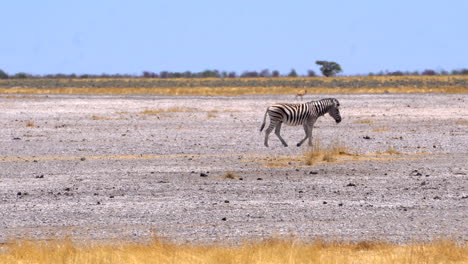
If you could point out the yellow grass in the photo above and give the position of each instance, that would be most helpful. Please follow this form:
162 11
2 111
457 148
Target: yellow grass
30 124
226 91
230 175
366 121
380 129
465 123
168 110
273 251
242 86
319 153
390 151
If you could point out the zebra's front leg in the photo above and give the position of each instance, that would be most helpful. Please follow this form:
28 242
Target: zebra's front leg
277 132
306 130
310 127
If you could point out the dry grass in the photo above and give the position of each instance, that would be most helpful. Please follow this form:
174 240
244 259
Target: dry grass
30 124
153 112
236 86
319 153
270 251
464 123
366 121
230 175
390 151
209 115
380 129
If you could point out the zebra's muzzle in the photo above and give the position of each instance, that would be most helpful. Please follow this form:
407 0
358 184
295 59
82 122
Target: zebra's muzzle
338 120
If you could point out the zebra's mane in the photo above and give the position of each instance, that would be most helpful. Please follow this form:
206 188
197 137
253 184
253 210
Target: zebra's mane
323 105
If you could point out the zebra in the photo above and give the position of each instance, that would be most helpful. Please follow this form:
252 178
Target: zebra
299 114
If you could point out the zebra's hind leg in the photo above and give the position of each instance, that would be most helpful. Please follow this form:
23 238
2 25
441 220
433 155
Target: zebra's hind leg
267 132
277 132
307 135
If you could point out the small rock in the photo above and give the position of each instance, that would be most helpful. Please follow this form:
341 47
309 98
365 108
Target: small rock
18 193
226 201
436 198
340 204
241 179
39 176
351 185
203 175
465 196
301 192
67 189
112 196
297 169
415 173
259 179
313 172
83 159
423 183
366 137
98 202
16 138
324 202
224 218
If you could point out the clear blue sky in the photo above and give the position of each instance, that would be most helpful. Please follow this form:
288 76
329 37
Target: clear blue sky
104 36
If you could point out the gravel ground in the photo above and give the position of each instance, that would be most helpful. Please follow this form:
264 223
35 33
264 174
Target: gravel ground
100 167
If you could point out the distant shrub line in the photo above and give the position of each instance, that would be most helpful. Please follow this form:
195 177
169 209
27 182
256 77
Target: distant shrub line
217 74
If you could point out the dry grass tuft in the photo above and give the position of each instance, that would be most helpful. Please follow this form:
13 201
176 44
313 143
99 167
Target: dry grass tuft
390 151
380 129
168 110
211 115
230 175
30 124
273 251
366 121
319 153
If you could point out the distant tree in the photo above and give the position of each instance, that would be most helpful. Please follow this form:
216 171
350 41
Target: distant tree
311 73
429 72
329 68
232 74
292 73
21 75
148 74
275 73
265 73
460 72
249 74
444 72
164 74
187 74
395 73
3 75
210 74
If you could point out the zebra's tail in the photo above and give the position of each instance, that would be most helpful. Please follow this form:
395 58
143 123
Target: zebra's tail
264 120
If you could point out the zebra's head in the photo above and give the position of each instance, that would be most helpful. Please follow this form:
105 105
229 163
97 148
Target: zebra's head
334 110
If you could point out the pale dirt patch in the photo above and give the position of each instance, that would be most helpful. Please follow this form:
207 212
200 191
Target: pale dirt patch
131 175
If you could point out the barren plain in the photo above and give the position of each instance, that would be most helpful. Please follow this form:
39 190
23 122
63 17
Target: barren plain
194 169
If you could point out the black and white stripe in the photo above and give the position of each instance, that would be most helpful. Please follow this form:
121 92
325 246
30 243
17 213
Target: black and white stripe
299 114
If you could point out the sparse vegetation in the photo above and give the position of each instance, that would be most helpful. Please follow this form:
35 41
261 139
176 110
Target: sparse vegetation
30 124
319 153
365 121
390 151
269 251
230 175
153 112
238 86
